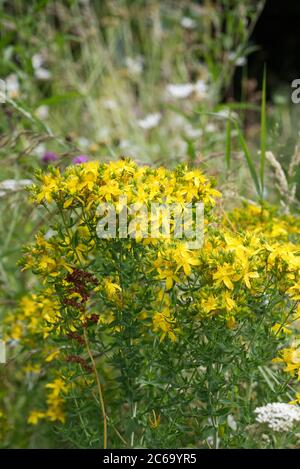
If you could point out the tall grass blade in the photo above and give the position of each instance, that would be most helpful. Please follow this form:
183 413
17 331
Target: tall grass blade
228 143
263 133
249 160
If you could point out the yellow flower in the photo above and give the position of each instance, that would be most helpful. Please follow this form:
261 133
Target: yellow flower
278 328
35 416
225 274
294 291
71 186
111 288
51 356
297 400
16 331
109 190
164 322
184 258
231 322
57 386
209 304
246 275
169 276
291 358
229 302
49 185
32 369
29 305
55 410
47 263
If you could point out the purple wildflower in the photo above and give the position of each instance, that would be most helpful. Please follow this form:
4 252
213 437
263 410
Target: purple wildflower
80 159
49 156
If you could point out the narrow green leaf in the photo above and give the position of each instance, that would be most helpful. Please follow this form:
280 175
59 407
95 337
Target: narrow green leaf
249 160
228 143
263 133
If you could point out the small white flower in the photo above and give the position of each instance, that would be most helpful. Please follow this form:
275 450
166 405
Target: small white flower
12 86
188 23
200 89
109 104
42 112
125 144
42 74
150 121
231 422
210 440
180 91
185 90
83 142
49 234
37 61
278 416
134 65
210 127
191 132
226 112
238 61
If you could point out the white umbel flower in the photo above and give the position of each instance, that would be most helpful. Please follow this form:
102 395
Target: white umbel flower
279 416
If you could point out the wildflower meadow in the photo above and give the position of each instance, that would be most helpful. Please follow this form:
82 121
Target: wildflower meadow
149 229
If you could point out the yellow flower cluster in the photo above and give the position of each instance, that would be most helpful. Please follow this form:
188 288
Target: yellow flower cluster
36 315
91 183
250 257
55 400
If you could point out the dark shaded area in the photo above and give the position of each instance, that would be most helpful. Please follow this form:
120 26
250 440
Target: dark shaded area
277 33
277 38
